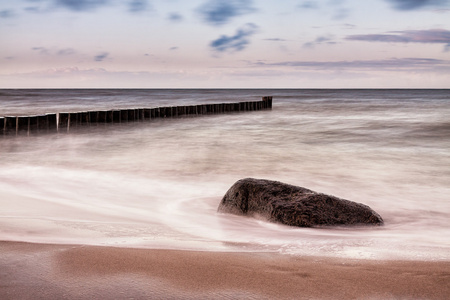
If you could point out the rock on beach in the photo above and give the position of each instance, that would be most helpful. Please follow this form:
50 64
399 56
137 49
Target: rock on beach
293 205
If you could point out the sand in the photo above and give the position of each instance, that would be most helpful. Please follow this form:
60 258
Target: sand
44 271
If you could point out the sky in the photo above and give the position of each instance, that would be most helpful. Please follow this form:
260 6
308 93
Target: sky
224 44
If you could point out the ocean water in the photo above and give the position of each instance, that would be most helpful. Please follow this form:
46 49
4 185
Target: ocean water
158 184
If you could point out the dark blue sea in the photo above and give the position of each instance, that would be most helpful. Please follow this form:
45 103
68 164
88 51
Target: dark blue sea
158 184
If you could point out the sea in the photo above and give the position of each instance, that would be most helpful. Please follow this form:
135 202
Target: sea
158 184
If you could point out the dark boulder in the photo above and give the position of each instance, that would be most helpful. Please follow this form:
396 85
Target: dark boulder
292 205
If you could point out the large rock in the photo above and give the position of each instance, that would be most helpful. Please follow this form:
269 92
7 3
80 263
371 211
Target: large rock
292 205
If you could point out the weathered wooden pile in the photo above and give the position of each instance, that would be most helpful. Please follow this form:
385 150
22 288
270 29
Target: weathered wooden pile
65 121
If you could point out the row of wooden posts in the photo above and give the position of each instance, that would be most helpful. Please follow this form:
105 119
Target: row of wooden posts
64 122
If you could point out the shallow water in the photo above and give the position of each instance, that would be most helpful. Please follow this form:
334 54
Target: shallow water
158 184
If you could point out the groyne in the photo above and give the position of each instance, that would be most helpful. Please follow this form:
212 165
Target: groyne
66 121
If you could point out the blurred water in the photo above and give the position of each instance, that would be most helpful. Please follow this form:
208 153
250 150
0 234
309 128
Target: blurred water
158 184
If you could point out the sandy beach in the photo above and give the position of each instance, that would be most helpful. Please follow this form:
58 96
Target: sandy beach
45 271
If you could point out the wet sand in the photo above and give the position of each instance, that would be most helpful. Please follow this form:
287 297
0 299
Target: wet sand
41 271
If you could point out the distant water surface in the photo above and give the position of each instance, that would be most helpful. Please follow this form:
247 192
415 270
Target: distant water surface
158 184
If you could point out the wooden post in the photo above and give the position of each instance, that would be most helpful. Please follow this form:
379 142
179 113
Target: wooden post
72 121
109 116
141 114
42 123
101 116
116 118
267 102
181 110
23 125
174 111
123 116
83 118
147 113
157 111
93 117
162 112
131 115
137 115
33 123
193 109
2 125
52 122
77 118
10 125
63 121
199 109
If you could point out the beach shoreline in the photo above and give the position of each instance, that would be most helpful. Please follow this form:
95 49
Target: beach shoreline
44 271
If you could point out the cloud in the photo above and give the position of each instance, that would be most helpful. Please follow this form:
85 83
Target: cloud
237 42
219 12
431 36
320 40
137 5
309 5
417 4
334 8
348 26
341 13
81 5
60 52
66 51
32 9
7 13
101 56
175 17
41 50
392 64
173 48
275 40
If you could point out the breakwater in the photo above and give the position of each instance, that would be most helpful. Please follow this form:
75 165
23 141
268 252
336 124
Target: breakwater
67 121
